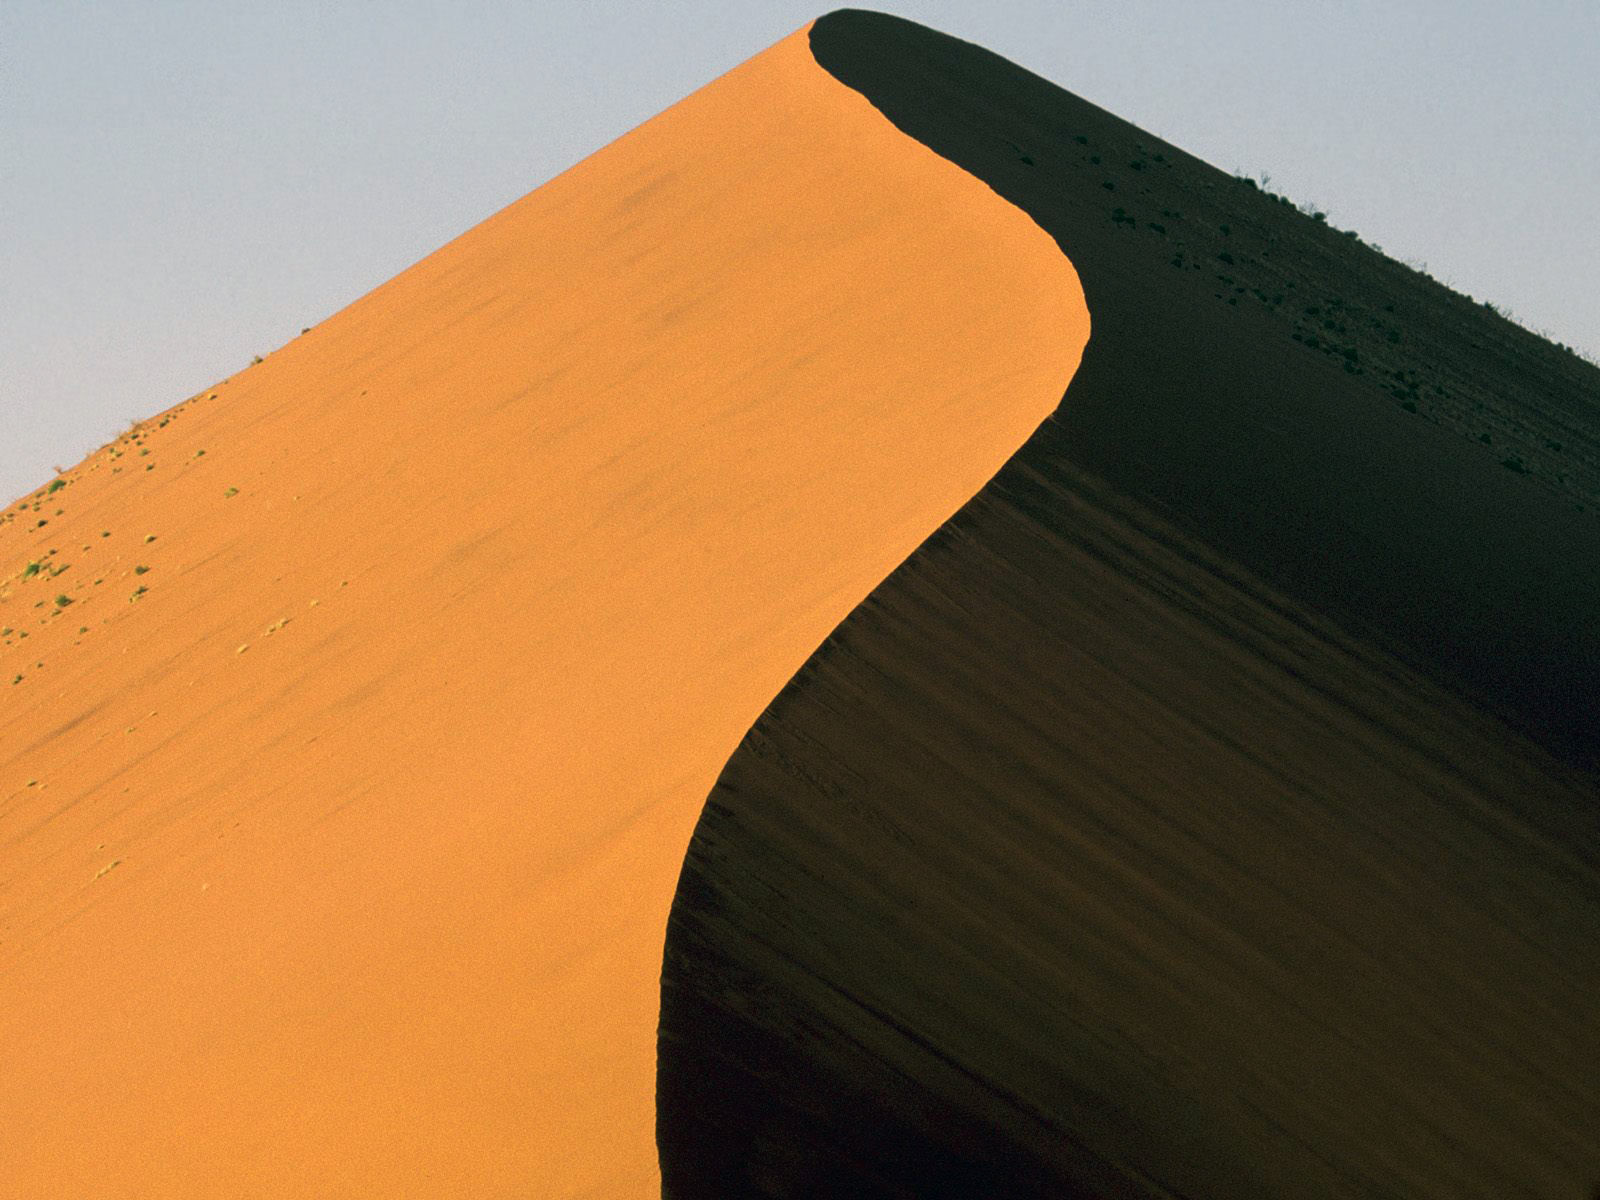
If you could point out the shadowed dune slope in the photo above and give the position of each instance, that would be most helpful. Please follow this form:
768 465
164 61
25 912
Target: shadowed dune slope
344 789
1210 808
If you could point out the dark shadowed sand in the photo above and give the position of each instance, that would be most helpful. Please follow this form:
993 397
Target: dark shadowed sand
1210 808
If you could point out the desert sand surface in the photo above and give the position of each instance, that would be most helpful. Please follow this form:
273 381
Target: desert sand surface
358 711
1212 807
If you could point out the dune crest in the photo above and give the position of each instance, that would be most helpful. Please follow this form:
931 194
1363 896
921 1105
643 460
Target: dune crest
344 799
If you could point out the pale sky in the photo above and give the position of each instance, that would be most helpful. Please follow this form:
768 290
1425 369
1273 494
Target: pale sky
186 184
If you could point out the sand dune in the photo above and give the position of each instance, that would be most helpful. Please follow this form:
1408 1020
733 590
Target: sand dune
344 790
1189 790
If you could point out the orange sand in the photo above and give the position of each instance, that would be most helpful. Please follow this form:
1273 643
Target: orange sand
337 861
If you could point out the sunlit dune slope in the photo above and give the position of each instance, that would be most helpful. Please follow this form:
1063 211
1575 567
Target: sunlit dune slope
367 701
1211 808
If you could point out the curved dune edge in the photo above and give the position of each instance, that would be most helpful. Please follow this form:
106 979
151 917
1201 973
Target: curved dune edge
340 842
1097 854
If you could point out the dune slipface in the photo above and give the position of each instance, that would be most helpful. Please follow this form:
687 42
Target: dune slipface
348 781
1211 808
